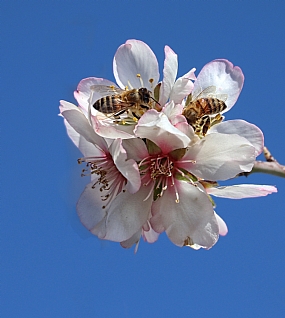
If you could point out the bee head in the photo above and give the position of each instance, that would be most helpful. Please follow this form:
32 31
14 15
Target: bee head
145 95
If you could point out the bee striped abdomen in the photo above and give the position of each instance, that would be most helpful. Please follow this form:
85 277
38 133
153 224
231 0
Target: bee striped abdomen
107 104
212 106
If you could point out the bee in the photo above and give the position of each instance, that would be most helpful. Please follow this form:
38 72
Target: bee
199 110
116 101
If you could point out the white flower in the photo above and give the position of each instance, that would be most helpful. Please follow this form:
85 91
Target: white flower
171 169
156 174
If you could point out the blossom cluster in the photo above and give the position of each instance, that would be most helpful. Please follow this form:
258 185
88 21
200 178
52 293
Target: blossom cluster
152 170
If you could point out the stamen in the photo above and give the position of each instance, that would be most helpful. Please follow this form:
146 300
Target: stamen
109 180
176 191
141 81
131 87
151 80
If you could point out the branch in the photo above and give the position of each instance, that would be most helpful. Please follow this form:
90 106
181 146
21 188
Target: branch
270 166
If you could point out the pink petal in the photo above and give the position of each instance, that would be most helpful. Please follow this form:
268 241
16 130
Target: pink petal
244 129
227 78
132 58
242 191
150 236
169 74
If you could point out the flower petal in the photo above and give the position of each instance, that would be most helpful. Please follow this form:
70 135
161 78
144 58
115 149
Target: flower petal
128 168
89 207
227 78
157 128
132 240
220 157
109 129
223 229
169 74
136 149
133 58
192 219
183 87
126 215
242 191
87 149
244 129
150 236
80 124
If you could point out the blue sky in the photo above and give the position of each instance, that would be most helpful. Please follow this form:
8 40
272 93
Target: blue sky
51 265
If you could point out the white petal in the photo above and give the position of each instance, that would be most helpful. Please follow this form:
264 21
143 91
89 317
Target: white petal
192 217
80 124
182 87
227 78
89 207
110 130
127 214
241 127
128 168
133 58
87 149
220 157
242 191
157 128
223 229
132 240
136 149
169 74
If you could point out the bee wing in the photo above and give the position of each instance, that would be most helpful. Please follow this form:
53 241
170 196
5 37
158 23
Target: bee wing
105 90
205 92
222 97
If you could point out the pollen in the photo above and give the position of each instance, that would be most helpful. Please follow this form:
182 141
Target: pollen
151 80
138 75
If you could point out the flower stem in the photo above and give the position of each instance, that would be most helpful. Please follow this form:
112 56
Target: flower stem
273 168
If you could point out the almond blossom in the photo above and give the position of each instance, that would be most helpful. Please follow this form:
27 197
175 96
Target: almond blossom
157 174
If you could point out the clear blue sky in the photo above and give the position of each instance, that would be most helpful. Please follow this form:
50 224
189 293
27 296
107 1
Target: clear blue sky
51 266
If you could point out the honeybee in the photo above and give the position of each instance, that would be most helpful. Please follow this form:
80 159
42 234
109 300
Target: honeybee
199 110
116 101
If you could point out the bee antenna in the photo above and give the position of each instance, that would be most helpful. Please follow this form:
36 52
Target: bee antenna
155 100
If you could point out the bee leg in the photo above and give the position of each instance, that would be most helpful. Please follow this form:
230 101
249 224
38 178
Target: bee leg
117 115
217 119
205 124
135 115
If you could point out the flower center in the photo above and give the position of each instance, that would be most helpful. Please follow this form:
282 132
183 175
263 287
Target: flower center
159 170
160 167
